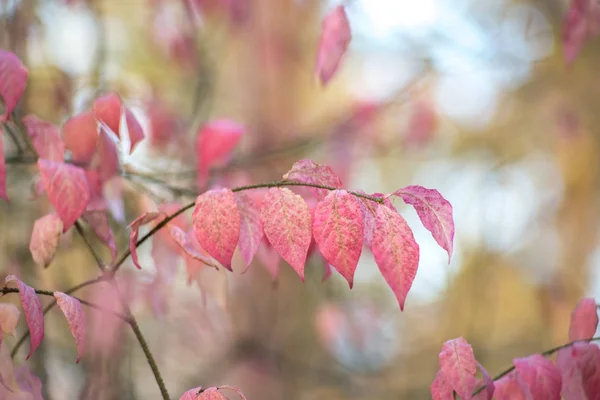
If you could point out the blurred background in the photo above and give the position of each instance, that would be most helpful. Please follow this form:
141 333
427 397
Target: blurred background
473 98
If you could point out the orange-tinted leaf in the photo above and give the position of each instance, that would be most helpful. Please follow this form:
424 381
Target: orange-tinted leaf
584 320
214 144
67 189
46 138
287 224
457 363
32 307
338 230
73 312
333 43
107 109
216 222
251 230
44 238
136 133
133 234
9 316
13 78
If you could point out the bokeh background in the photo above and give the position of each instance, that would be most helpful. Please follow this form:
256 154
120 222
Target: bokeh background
473 98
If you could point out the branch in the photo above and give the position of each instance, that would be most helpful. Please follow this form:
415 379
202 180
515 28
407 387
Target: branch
545 354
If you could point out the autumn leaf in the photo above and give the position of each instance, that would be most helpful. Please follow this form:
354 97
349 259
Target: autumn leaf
216 222
490 387
2 171
434 211
13 79
333 43
44 238
251 230
107 109
46 138
184 240
96 217
584 320
540 375
80 134
511 387
67 189
32 307
307 171
338 230
108 152
395 250
9 316
457 363
133 234
287 224
136 133
579 366
73 311
440 388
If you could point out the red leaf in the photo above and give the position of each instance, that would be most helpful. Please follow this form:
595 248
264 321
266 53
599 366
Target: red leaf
511 387
338 230
97 219
107 109
396 252
2 171
187 242
136 133
457 363
67 189
214 144
9 316
216 221
80 134
44 238
440 388
191 394
307 171
434 211
13 78
333 43
540 375
32 307
109 155
489 382
287 224
133 235
584 320
73 312
251 230
579 365
269 258
46 138
581 23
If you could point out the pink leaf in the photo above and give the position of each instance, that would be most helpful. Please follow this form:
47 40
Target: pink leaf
440 388
32 307
488 381
457 363
269 259
396 252
584 320
13 78
133 235
214 144
191 394
540 375
333 43
28 383
511 387
107 109
108 153
67 189
581 23
46 138
307 171
579 365
287 224
338 230
235 389
44 238
136 133
2 171
73 312
9 316
251 230
434 211
80 134
97 219
216 222
184 240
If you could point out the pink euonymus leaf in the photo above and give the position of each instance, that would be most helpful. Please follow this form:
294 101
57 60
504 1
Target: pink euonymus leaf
73 311
2 171
440 388
211 393
434 211
30 385
97 218
80 134
108 153
584 320
46 138
307 171
214 144
395 250
67 189
251 230
338 230
133 234
457 362
287 224
136 133
540 375
107 109
44 238
13 78
269 258
488 381
333 43
32 307
579 365
511 387
184 240
9 316
216 221
581 23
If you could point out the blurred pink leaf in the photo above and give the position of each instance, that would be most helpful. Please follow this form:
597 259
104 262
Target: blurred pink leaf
108 109
511 387
584 320
582 22
136 133
2 171
490 387
13 78
80 134
44 238
540 375
133 234
73 312
307 171
28 383
457 363
184 240
251 230
333 43
269 258
287 224
9 316
46 138
108 153
579 365
97 218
